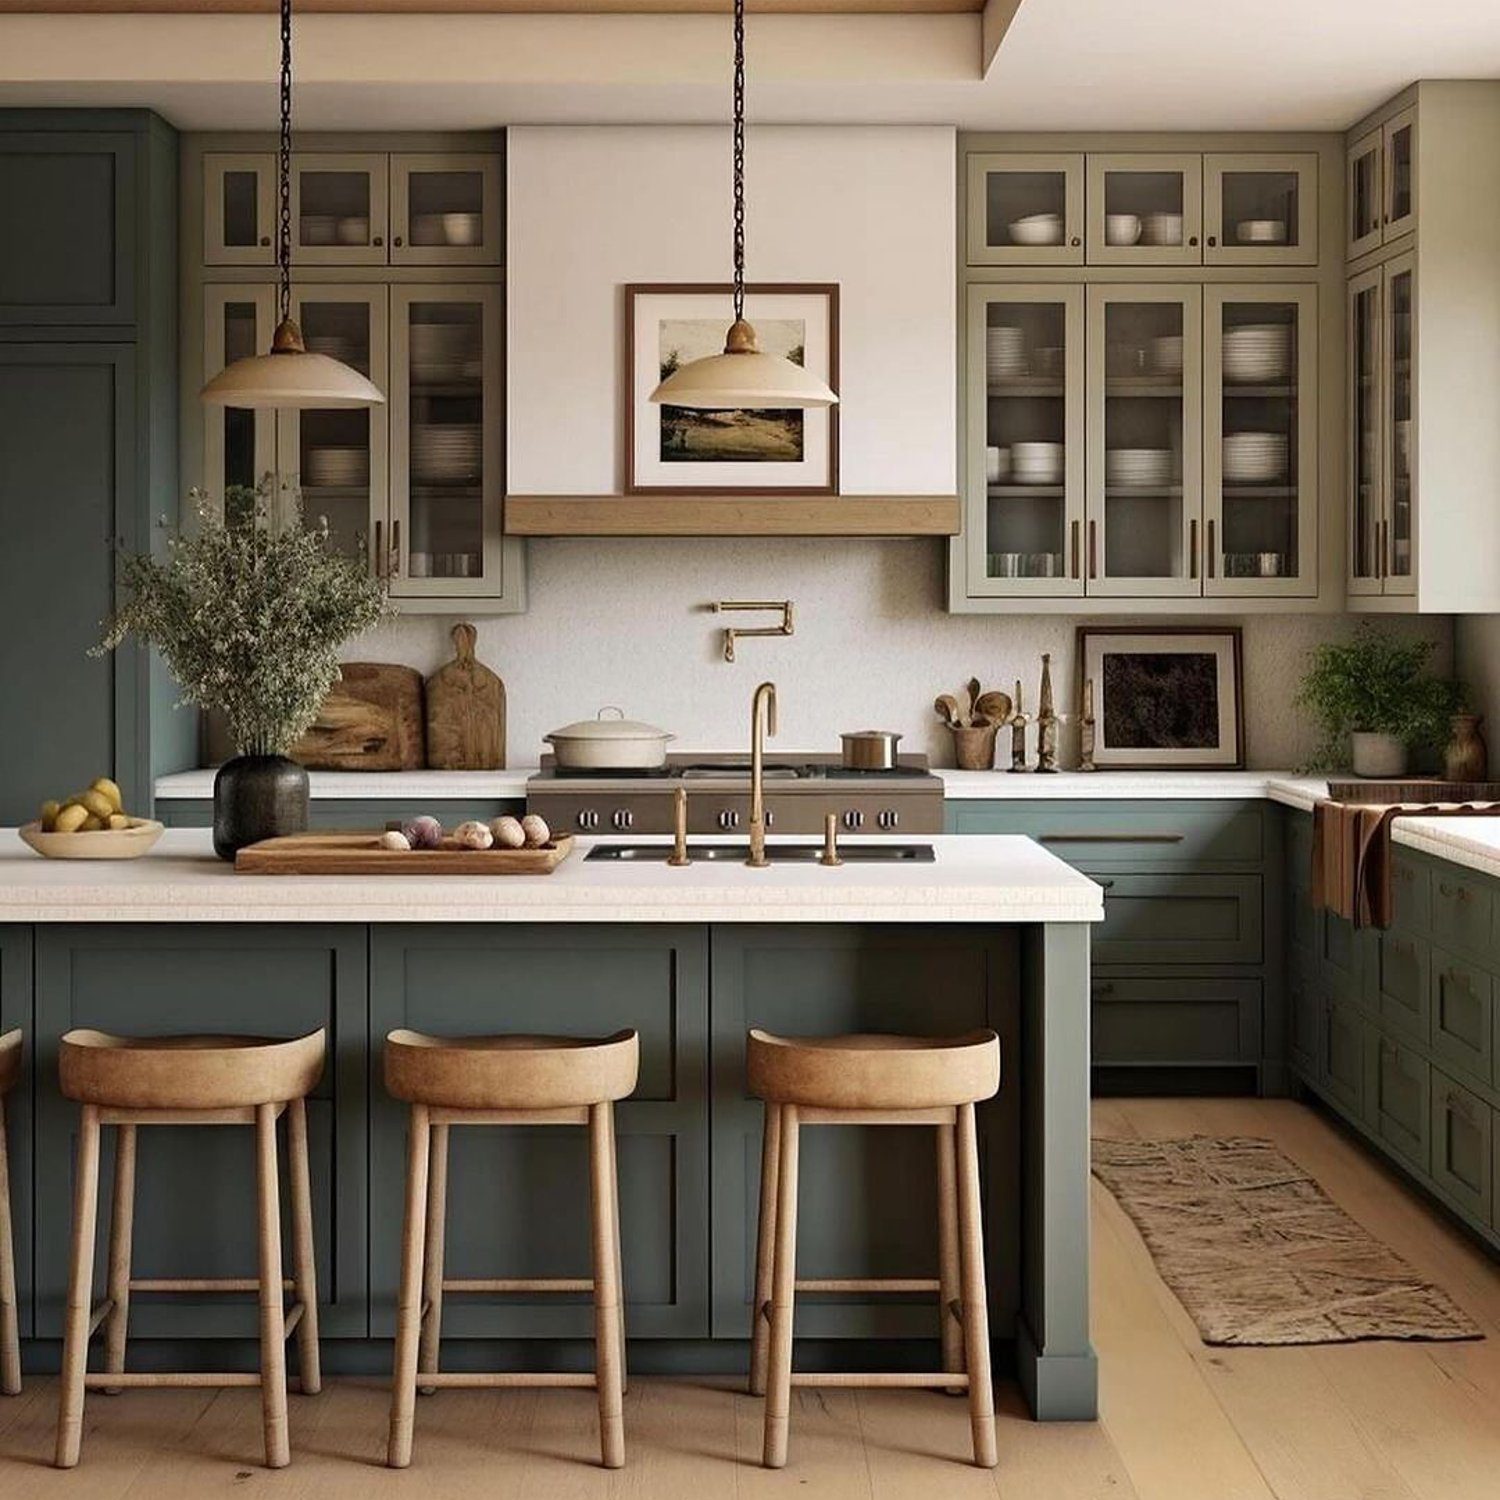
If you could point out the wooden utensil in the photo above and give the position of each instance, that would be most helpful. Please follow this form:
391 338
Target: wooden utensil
371 720
993 707
363 854
465 711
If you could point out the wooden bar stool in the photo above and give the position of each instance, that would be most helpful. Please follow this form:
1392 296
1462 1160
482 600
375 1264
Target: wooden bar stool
874 1080
189 1080
505 1080
10 1327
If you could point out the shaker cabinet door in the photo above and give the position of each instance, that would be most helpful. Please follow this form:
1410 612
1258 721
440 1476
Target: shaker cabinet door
1025 209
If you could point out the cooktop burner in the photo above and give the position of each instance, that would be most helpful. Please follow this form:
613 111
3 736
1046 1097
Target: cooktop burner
736 767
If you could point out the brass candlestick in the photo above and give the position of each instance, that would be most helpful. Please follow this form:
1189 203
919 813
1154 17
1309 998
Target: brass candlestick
1018 723
1086 728
1046 721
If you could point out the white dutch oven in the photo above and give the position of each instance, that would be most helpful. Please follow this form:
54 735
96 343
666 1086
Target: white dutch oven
609 744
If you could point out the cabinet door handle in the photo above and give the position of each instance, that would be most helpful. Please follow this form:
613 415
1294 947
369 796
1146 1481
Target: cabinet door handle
1211 557
1093 550
1103 987
1193 548
1212 240
1076 240
1075 567
1105 885
1385 549
1111 838
1193 239
395 564
380 557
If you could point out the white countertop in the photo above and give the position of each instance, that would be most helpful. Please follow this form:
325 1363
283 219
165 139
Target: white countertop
435 786
975 878
1474 842
1126 786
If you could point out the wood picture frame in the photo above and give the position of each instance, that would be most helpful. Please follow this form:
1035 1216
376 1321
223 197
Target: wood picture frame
794 458
1151 714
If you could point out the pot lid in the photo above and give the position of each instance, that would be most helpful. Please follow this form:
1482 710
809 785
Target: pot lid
609 730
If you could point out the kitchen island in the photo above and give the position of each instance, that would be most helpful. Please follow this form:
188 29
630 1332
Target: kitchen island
994 931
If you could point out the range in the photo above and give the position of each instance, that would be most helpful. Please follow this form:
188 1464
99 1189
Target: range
800 791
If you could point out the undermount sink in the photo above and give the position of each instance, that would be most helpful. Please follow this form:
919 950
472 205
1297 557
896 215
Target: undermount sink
1414 790
853 854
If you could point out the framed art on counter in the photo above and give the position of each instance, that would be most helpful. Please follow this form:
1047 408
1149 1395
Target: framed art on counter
1164 697
671 448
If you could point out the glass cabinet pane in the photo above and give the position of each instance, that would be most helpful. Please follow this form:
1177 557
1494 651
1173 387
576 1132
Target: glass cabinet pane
1400 461
239 208
1025 209
1259 209
338 209
1365 207
1400 167
239 445
446 209
1366 488
1145 209
1145 491
1264 389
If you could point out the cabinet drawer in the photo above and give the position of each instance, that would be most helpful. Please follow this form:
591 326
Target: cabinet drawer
1179 919
1462 912
1150 1020
1399 1098
1462 1015
1135 834
1402 986
1411 893
1462 1143
1341 1055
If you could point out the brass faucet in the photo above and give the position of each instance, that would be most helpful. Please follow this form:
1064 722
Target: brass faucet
762 723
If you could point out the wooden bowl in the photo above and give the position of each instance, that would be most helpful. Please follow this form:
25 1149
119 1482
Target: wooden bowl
102 843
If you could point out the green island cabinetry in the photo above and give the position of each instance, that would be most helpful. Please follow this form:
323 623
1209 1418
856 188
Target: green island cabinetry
1397 1031
1186 977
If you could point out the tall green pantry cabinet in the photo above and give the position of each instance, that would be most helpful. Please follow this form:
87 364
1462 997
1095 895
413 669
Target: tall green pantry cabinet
88 440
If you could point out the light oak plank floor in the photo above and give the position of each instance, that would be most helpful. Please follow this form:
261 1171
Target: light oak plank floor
1180 1421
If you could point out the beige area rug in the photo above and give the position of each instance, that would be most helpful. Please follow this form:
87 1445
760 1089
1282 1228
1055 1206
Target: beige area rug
1257 1252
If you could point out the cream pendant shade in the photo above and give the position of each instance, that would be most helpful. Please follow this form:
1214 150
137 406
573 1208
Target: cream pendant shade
742 378
290 380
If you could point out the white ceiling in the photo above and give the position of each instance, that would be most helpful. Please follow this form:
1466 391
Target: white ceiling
1065 65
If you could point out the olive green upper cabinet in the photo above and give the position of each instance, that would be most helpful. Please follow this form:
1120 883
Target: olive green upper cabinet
1145 209
446 209
1260 209
1025 209
1381 204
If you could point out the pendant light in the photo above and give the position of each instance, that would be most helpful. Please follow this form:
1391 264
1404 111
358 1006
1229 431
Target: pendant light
742 377
288 376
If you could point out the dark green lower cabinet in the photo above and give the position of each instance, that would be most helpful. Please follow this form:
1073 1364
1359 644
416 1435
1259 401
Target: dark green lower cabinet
868 1203
195 1191
16 1010
1398 1097
1176 1022
519 1197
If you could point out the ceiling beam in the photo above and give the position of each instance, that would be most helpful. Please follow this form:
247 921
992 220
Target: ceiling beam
995 23
504 7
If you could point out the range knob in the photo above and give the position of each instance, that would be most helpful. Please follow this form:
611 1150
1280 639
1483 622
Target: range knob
587 818
728 818
889 818
770 818
623 818
853 818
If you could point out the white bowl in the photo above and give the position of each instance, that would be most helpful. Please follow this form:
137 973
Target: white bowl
1122 229
1037 229
1162 229
102 843
996 465
1036 463
1261 231
354 230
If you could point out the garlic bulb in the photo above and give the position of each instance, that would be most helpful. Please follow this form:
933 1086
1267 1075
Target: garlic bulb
536 831
508 832
473 835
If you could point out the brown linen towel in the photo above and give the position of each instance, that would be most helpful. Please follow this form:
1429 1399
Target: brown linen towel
1351 853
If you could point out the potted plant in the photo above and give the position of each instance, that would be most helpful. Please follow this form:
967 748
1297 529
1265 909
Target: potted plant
250 618
1377 693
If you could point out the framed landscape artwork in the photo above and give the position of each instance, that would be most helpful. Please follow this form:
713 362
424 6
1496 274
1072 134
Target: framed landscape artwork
1163 697
669 448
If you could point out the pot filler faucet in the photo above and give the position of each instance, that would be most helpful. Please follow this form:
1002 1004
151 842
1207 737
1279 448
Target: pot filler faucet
762 723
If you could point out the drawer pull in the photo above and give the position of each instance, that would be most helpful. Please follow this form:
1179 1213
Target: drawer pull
1105 885
1103 987
1111 838
1457 892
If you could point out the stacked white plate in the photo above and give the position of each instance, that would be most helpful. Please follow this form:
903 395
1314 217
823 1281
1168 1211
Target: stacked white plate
1258 352
1137 468
318 229
1166 354
1037 229
1005 353
1036 463
1261 231
1161 229
444 352
1255 457
337 346
446 229
447 453
338 466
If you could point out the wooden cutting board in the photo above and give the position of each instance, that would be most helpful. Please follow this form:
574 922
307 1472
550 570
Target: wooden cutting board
371 720
465 712
362 854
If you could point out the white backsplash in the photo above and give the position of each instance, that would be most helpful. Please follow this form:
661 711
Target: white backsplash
625 622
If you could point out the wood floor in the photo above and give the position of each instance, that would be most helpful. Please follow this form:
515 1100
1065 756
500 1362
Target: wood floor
1339 1422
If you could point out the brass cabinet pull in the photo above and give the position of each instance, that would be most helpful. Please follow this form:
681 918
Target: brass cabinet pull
380 557
1193 548
1210 561
1075 570
1385 549
394 570
1093 551
1111 838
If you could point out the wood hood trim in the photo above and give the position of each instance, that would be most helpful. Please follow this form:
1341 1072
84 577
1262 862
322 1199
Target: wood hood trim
731 515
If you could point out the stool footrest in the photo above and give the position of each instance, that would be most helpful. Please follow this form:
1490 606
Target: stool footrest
890 1284
503 1379
163 1378
905 1379
202 1284
293 1318
501 1284
99 1314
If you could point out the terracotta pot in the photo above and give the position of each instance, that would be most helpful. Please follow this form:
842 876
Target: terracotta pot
1379 756
1467 758
974 748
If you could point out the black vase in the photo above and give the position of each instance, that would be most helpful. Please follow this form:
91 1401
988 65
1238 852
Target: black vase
257 797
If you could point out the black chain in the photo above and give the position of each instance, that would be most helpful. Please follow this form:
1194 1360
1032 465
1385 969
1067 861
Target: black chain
739 159
284 165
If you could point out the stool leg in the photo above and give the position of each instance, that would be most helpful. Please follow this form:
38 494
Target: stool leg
121 1233
606 1291
765 1248
80 1291
434 1254
975 1304
409 1300
10 1336
614 1178
783 1296
949 1296
272 1293
304 1264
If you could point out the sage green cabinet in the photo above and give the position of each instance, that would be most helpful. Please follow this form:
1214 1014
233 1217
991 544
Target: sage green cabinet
1180 919
1463 912
1463 1136
518 1197
195 1186
1463 1016
1341 1056
1401 976
1398 1097
1168 1022
16 1011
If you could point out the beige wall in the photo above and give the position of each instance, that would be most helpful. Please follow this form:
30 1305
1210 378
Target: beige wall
1476 660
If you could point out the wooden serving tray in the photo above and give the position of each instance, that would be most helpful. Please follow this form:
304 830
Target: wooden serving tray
361 854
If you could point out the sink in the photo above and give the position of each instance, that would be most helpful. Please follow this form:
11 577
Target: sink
1414 790
853 854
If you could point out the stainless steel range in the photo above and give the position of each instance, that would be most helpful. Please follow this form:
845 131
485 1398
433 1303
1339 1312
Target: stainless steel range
800 791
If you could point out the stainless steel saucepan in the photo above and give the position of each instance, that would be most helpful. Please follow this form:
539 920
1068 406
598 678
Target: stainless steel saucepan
870 750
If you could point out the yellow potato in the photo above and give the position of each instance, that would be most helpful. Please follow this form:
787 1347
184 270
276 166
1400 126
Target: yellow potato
97 803
71 818
109 789
118 820
49 814
91 824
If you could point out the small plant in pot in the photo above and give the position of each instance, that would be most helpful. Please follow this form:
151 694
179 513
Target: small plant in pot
249 618
1375 698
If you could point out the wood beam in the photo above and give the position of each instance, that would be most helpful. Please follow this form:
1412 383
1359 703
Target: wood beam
513 7
994 24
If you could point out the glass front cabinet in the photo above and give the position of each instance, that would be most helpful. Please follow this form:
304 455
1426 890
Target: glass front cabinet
1381 202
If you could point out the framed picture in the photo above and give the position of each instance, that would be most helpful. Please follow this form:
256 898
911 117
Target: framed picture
669 448
1163 697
